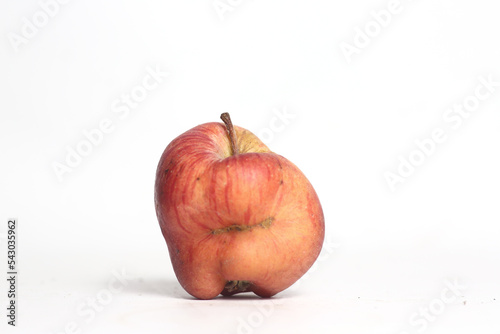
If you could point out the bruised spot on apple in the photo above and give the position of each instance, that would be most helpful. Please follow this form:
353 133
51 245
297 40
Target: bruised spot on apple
236 217
265 224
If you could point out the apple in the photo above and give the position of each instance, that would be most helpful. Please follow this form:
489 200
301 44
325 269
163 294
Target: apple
236 217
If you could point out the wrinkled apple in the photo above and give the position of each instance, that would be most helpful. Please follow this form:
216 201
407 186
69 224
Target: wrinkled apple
236 217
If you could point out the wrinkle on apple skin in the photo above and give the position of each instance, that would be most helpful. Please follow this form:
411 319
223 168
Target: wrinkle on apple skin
266 223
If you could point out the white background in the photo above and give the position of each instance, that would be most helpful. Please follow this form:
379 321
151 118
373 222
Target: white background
389 254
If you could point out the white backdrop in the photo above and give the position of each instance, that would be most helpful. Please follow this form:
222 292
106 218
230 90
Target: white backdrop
391 108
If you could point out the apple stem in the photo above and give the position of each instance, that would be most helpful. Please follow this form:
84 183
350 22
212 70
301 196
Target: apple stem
230 129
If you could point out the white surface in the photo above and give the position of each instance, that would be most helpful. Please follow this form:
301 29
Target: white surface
389 254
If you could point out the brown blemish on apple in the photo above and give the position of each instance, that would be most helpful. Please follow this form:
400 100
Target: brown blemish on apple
165 172
242 228
233 287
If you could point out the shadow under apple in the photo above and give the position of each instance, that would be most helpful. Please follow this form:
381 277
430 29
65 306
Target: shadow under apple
171 288
156 287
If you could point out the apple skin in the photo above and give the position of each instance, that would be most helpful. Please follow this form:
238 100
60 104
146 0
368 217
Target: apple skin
251 220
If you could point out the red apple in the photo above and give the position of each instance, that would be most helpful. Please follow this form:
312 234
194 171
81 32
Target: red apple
236 217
